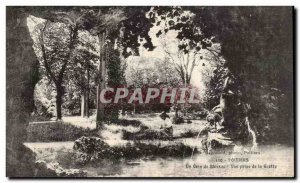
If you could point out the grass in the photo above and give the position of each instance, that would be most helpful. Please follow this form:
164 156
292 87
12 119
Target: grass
72 130
125 129
56 131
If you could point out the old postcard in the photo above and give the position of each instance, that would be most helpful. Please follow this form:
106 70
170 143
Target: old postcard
141 91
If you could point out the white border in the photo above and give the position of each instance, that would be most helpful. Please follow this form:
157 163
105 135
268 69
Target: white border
4 3
153 2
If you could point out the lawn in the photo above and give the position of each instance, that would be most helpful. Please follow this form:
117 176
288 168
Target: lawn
53 142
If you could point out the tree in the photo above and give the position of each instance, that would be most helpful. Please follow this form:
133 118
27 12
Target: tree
104 22
145 73
116 27
122 26
213 75
56 44
115 72
84 68
257 46
75 18
189 46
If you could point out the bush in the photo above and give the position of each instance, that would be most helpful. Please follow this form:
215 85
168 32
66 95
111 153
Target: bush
125 122
178 120
189 134
148 134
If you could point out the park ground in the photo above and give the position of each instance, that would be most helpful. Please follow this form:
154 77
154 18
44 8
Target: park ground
54 146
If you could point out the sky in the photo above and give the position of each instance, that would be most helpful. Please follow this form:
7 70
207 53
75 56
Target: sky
159 52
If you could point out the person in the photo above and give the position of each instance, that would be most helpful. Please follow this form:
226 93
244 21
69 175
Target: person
166 121
166 124
213 118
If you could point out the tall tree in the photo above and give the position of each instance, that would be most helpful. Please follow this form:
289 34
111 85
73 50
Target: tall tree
257 46
56 43
75 18
58 53
179 52
85 60
104 22
116 27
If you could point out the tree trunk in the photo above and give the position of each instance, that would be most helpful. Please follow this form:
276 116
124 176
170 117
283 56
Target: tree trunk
101 80
85 94
59 95
83 105
176 112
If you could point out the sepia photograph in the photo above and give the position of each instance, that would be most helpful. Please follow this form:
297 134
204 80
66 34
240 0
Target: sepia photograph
150 92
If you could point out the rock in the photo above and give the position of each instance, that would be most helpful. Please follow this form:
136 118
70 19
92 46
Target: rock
53 169
216 142
201 114
93 148
74 173
42 170
131 151
21 77
89 145
213 118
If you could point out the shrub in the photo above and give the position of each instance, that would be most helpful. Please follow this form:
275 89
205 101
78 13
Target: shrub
189 134
147 134
177 120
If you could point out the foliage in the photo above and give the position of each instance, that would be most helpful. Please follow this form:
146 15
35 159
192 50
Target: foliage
115 72
256 44
53 38
134 29
190 47
43 99
125 122
141 71
147 134
214 87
